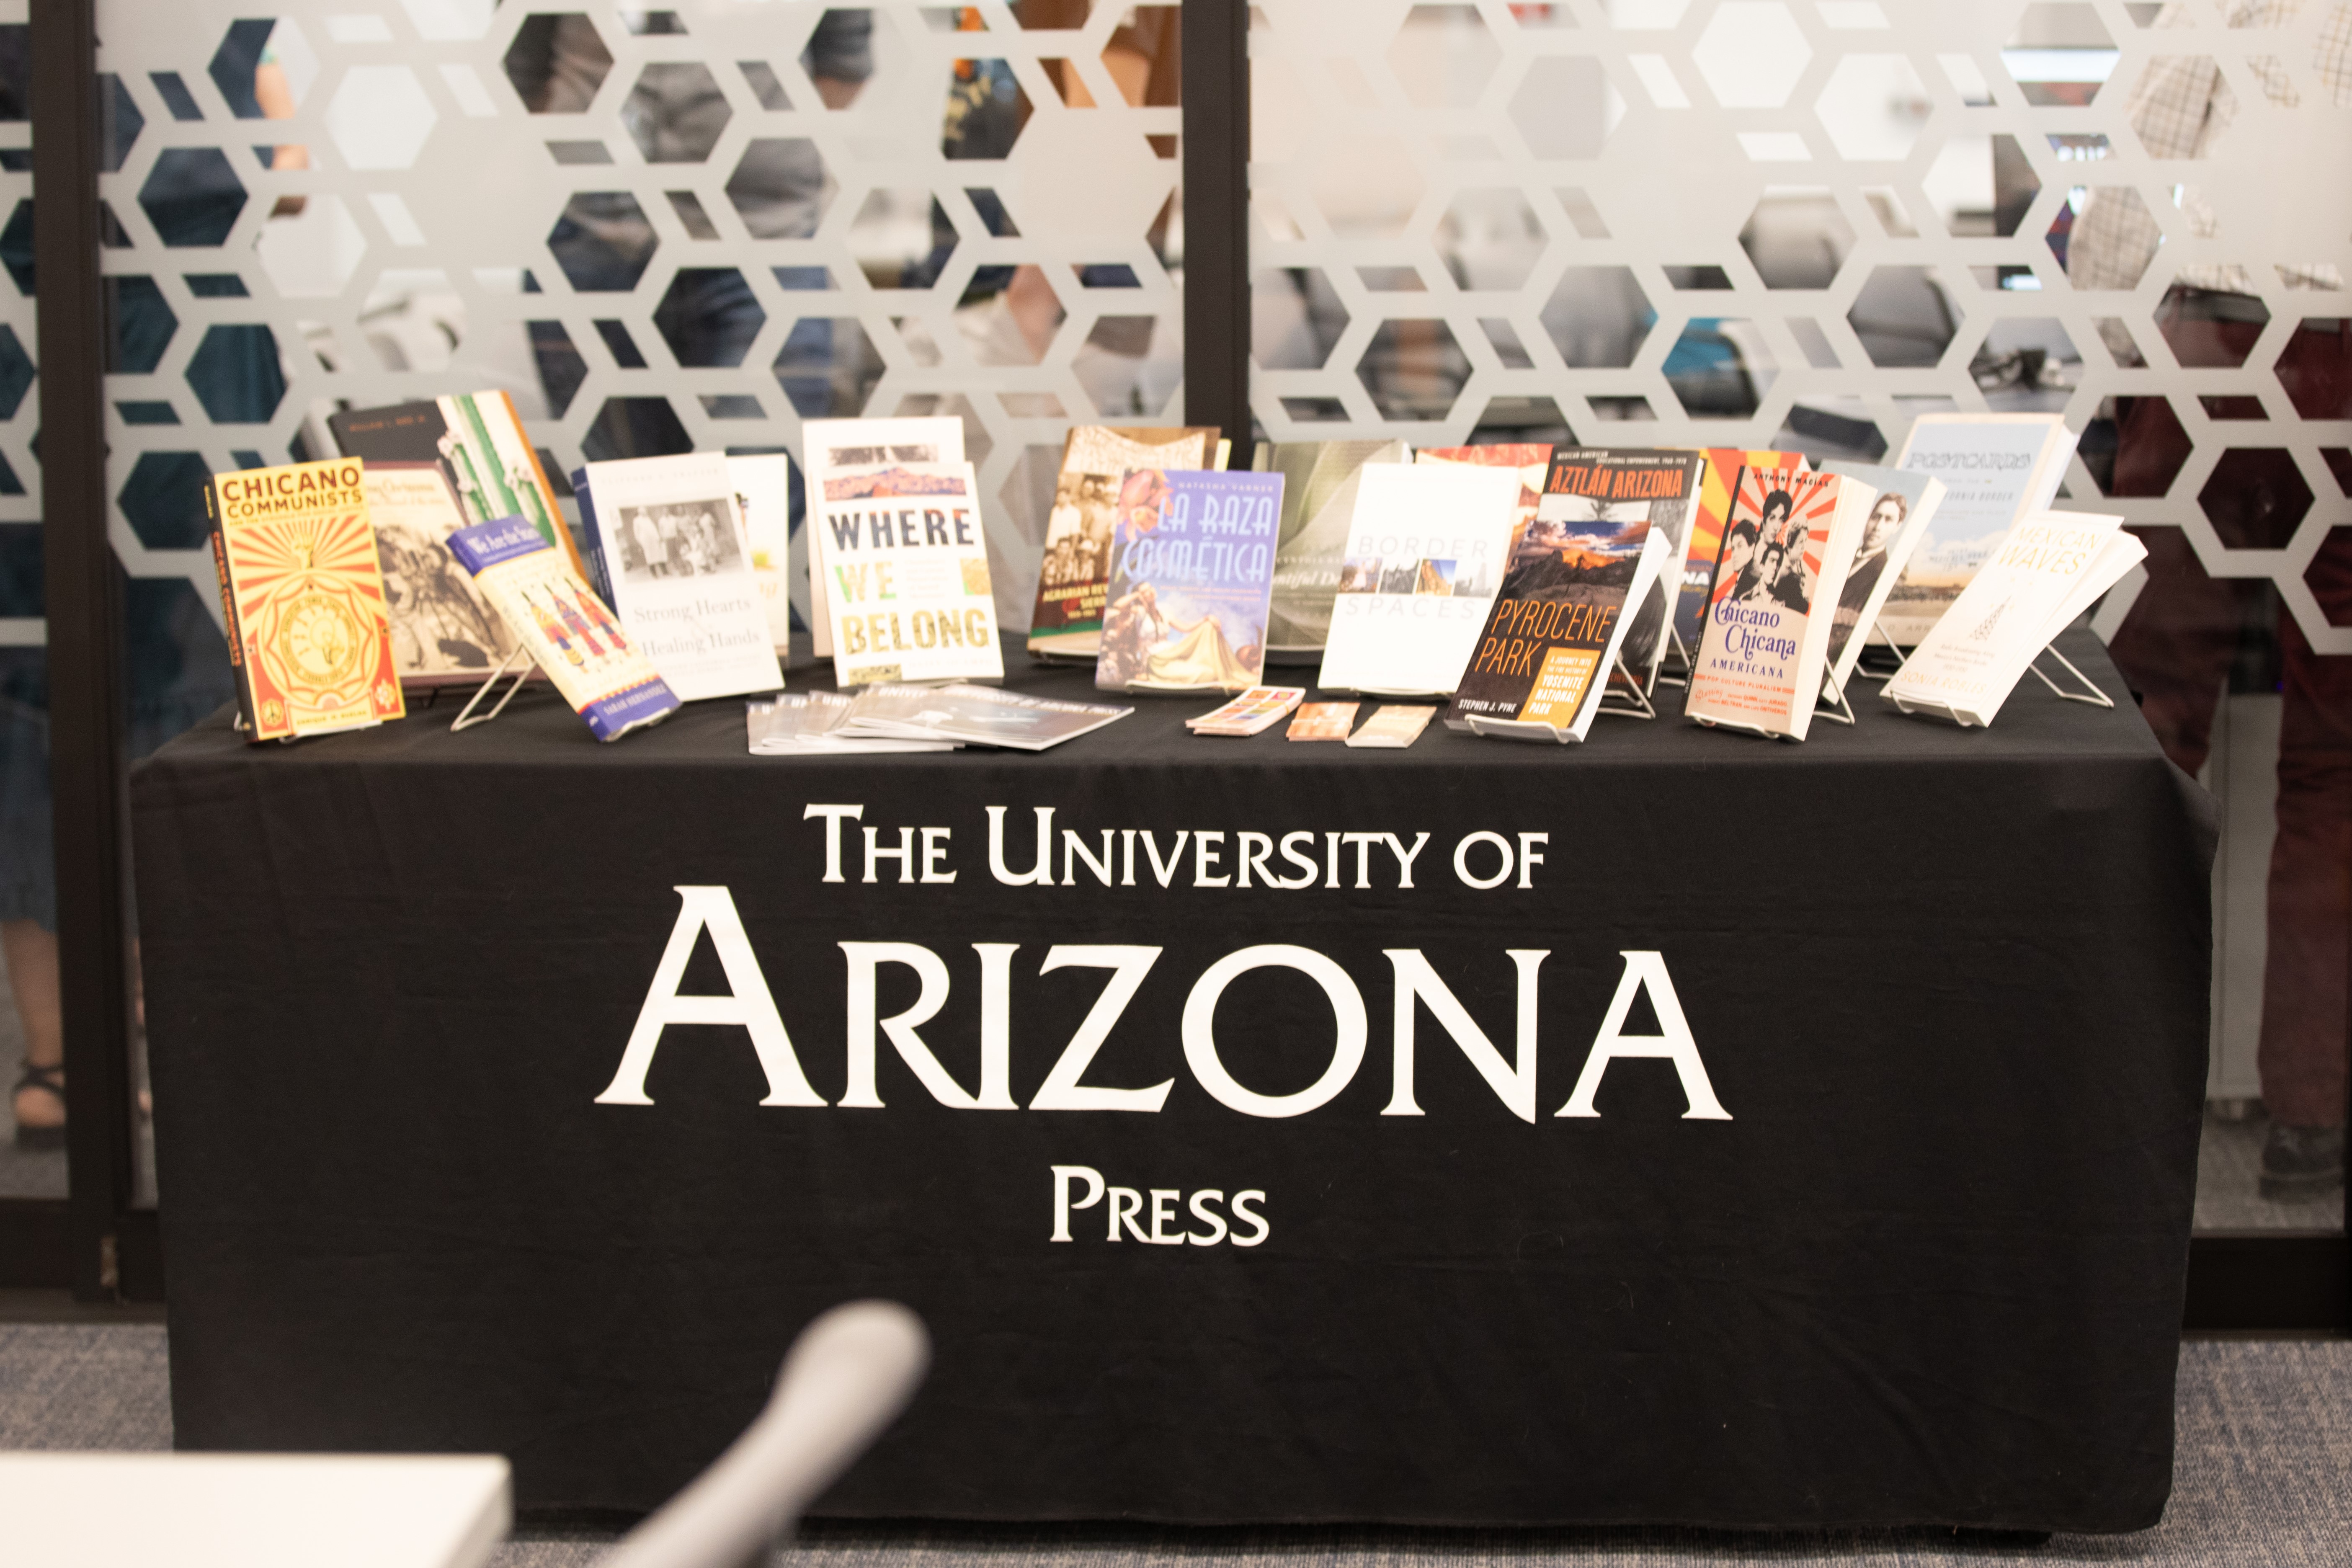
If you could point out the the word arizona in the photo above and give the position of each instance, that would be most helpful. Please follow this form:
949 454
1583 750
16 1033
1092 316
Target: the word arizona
1417 985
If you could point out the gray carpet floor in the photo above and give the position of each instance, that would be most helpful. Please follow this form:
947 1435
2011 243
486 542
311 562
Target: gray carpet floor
2263 1479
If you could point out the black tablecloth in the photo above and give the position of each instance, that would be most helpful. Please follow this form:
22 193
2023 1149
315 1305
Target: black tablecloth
1949 989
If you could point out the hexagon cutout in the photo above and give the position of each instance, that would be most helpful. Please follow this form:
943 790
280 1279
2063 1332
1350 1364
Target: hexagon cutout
708 317
838 34
675 112
562 370
2151 447
2256 498
634 427
2060 53
191 196
900 238
1414 370
263 67
118 123
1902 318
1443 56
1713 367
15 373
2027 354
1751 54
1295 319
2078 208
987 110
2330 569
1497 238
1874 107
602 242
1797 238
138 325
1598 318
1366 186
1559 106
2313 368
311 254
2200 342
163 498
17 246
539 43
827 366
380 117
235 373
781 188
2014 185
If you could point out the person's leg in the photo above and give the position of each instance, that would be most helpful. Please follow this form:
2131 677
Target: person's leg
2177 644
32 958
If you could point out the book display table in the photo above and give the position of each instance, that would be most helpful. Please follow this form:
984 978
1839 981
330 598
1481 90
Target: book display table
1680 1127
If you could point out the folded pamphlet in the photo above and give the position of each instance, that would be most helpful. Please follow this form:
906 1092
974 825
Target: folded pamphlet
1323 721
975 715
801 724
1253 711
1395 725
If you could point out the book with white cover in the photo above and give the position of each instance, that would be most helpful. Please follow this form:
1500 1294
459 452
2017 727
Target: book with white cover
1897 521
978 715
1318 497
1787 542
906 577
831 447
1426 551
763 494
2050 568
680 567
1996 468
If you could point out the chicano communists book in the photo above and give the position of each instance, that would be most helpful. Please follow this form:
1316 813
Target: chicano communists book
1559 622
1788 541
574 637
1074 575
906 575
1191 576
309 633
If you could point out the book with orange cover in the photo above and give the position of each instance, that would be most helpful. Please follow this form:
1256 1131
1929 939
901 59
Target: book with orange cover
1724 467
309 633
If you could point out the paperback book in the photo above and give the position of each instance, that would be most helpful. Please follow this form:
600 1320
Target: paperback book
1996 468
673 549
1426 549
566 629
1589 487
1718 481
2051 567
1544 658
302 599
975 715
835 448
1075 574
906 577
1252 712
1898 520
1393 726
442 631
477 440
1322 722
1318 499
1531 460
763 497
1789 539
1191 573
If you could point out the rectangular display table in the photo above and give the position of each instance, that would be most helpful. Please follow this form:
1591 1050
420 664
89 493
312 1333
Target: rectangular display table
1681 1127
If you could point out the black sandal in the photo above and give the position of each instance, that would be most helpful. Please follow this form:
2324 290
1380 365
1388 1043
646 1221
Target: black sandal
51 1081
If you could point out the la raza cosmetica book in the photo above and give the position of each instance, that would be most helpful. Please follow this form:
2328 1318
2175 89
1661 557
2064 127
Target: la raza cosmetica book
1786 547
1426 550
309 633
1544 656
1996 468
477 440
442 631
567 631
1075 574
906 575
835 448
675 551
1191 579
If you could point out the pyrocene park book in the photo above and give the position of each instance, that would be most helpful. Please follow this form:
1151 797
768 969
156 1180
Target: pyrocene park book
1787 544
680 567
2051 566
477 440
832 449
906 575
310 636
1192 573
1543 660
567 630
1426 551
442 631
1075 573
1996 468
1898 520
1318 497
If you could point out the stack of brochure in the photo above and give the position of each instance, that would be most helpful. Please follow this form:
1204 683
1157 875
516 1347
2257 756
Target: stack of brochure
972 715
801 724
1258 709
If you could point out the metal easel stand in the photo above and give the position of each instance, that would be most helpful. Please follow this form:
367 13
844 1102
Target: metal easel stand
1633 701
1679 675
466 719
2090 693
1833 704
1892 646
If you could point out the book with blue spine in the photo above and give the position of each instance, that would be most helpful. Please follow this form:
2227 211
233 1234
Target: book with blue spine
1191 580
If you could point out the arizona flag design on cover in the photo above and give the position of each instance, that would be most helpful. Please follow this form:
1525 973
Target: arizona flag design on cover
302 592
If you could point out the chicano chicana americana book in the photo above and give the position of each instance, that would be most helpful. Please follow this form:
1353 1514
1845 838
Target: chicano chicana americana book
309 633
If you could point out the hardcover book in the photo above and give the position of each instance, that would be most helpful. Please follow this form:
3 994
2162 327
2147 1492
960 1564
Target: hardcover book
1996 468
1319 498
477 440
442 631
1547 651
1720 476
1426 550
1075 574
567 630
1898 520
675 551
309 633
832 449
905 579
2049 569
1786 547
1594 485
1191 578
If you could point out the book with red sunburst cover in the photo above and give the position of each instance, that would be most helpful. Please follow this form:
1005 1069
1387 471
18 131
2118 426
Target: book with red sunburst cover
302 593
